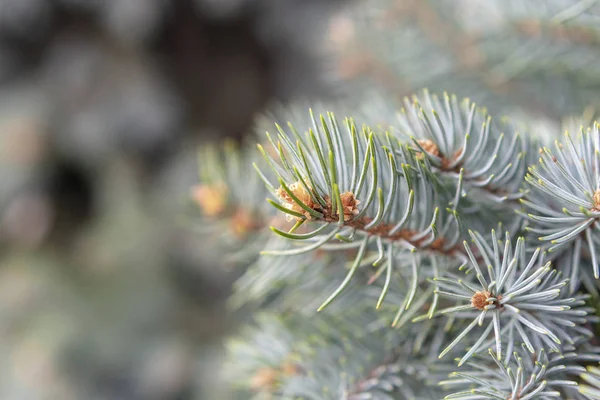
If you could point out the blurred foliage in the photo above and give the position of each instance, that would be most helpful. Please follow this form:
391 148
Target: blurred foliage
105 293
533 58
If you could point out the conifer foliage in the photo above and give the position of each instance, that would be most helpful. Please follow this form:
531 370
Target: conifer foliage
435 251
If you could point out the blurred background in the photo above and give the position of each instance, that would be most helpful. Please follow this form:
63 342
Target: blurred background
104 293
103 103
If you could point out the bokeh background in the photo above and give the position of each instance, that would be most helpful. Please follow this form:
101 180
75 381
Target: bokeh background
104 293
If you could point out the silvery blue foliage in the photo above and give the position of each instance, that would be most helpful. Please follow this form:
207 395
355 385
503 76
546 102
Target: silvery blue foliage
563 202
376 215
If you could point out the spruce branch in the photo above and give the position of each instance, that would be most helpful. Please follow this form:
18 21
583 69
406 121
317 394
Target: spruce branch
457 136
363 192
363 188
512 297
563 203
486 200
400 201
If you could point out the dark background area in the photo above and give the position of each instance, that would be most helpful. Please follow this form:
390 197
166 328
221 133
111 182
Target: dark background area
103 104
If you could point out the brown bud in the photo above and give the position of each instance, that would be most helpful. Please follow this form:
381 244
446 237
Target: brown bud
299 190
349 205
289 369
264 379
212 199
243 222
596 198
480 299
429 146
